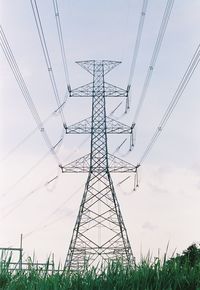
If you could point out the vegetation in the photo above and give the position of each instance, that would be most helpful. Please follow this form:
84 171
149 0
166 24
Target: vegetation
178 273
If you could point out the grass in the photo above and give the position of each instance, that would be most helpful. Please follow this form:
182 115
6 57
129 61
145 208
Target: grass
179 273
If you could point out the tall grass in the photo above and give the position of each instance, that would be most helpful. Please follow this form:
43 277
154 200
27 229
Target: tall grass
174 274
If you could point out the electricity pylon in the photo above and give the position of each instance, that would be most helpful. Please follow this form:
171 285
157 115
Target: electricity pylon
99 234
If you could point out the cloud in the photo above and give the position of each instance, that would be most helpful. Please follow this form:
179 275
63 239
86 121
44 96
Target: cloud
157 189
198 185
149 226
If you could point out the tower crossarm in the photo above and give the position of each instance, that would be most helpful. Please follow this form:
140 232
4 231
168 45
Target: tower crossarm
88 65
114 91
82 91
109 90
118 165
112 127
82 165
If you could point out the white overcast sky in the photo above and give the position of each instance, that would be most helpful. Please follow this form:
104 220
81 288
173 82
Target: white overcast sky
166 207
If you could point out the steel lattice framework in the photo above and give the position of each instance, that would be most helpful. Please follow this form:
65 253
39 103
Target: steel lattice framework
99 234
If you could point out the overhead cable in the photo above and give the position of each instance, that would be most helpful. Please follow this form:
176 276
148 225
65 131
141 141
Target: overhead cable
119 147
135 182
122 181
46 56
32 168
17 203
12 150
43 227
115 109
25 92
178 93
137 43
26 174
61 42
21 200
154 57
37 164
66 201
40 227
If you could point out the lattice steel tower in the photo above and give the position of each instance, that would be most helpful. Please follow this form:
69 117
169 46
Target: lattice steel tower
99 234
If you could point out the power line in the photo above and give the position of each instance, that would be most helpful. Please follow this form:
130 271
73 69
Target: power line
46 56
25 92
17 203
12 150
32 168
184 81
77 148
115 109
66 201
39 227
38 163
137 43
119 146
154 57
21 200
26 174
124 192
122 181
61 42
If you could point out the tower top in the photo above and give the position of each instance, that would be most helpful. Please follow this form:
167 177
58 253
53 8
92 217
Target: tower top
89 65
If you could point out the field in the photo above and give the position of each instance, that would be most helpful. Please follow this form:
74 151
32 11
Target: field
178 273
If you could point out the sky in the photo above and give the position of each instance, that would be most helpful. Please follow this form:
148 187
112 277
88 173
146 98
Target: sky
165 207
